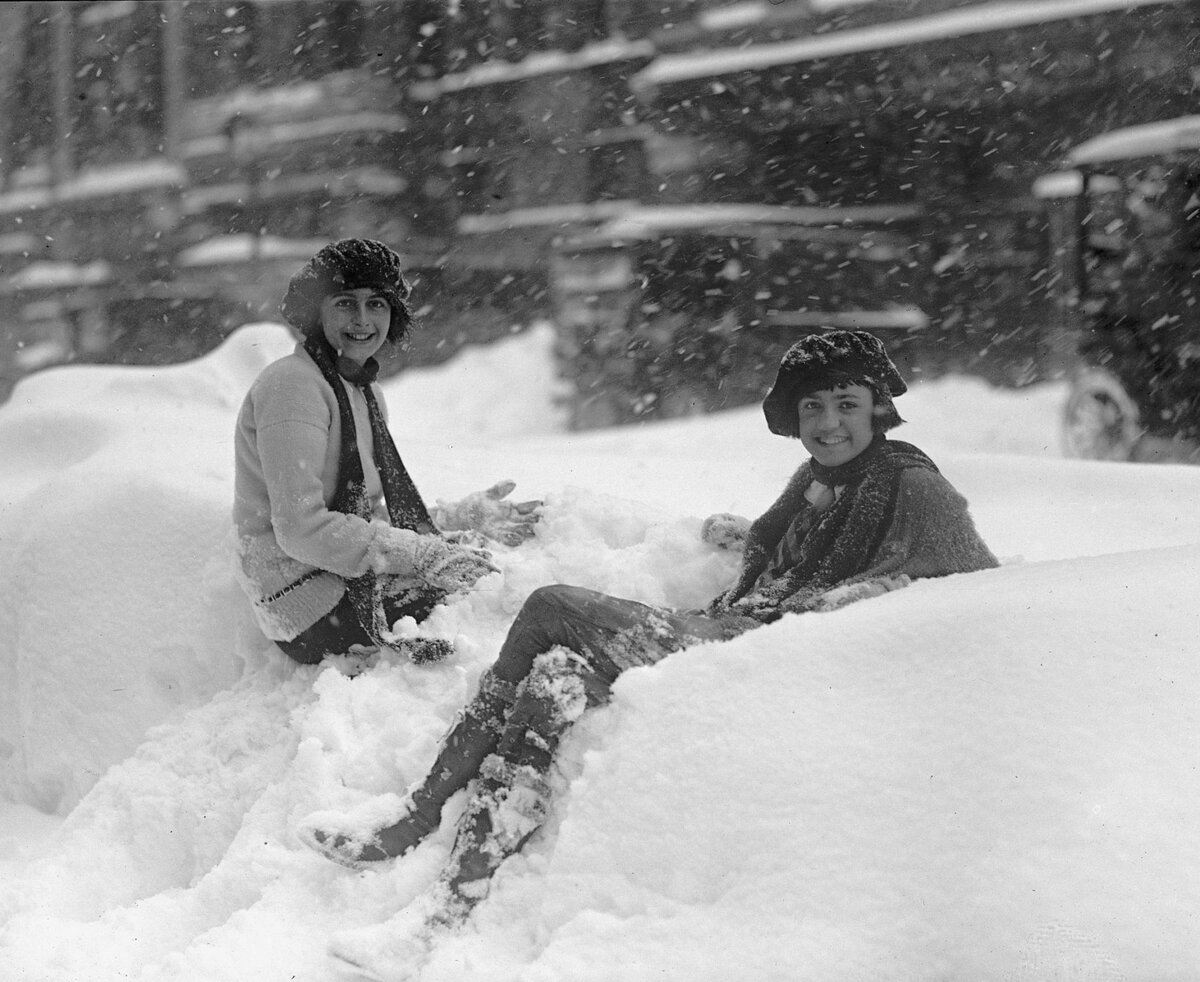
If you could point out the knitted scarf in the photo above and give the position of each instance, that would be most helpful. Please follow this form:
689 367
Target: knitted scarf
847 535
404 505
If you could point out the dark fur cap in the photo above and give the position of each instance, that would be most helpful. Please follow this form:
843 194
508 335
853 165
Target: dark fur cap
826 361
348 265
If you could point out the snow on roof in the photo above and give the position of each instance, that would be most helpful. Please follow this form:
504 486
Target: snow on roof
627 219
904 317
253 101
16 243
224 249
1059 184
954 23
101 13
640 223
757 11
24 199
45 275
735 15
370 181
1069 184
99 182
1156 139
542 63
836 4
595 211
123 178
261 135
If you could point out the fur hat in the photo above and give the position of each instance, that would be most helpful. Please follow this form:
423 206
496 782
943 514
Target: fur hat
826 361
348 265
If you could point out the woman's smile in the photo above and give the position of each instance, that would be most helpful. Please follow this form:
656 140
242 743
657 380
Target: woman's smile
836 425
358 337
356 322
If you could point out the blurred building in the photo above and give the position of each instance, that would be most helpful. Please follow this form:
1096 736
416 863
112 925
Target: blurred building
682 186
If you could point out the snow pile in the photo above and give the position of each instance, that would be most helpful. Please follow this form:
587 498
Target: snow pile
989 776
118 604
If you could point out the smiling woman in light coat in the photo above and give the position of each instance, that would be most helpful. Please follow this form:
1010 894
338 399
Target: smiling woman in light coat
335 541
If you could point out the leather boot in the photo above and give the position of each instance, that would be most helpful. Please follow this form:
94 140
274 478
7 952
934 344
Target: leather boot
474 735
512 799
510 805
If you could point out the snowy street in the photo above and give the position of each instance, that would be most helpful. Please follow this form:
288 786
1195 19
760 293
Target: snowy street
987 777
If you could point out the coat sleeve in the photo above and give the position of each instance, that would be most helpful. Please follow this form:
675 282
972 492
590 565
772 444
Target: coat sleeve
293 427
931 534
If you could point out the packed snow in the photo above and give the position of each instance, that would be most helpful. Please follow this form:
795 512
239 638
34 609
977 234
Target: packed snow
987 777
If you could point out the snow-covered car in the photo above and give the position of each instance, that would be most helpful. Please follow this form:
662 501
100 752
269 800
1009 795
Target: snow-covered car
1127 215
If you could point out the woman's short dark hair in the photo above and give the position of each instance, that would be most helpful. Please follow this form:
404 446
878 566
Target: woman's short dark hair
885 417
349 264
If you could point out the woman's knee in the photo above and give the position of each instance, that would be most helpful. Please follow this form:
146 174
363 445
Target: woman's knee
539 608
537 628
548 600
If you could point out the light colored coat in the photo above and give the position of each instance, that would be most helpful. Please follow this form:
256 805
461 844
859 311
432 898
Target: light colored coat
296 554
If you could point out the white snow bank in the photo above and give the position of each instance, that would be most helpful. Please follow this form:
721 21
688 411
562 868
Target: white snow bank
119 608
990 776
911 802
114 522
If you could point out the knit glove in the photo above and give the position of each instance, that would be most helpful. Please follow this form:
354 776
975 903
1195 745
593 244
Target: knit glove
489 514
725 531
762 605
719 605
724 603
451 567
840 596
446 565
772 602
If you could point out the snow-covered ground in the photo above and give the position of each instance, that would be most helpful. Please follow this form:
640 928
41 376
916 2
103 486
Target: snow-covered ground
986 777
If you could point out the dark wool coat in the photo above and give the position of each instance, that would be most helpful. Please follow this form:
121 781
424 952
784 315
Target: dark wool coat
894 515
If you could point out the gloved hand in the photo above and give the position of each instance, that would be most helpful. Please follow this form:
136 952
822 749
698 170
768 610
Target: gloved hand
489 514
452 567
446 565
725 531
762 605
423 650
718 605
840 596
724 603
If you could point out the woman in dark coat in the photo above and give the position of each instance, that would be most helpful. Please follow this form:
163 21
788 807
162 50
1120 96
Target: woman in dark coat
863 516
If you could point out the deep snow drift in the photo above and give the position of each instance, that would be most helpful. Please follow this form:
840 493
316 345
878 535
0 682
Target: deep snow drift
984 777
